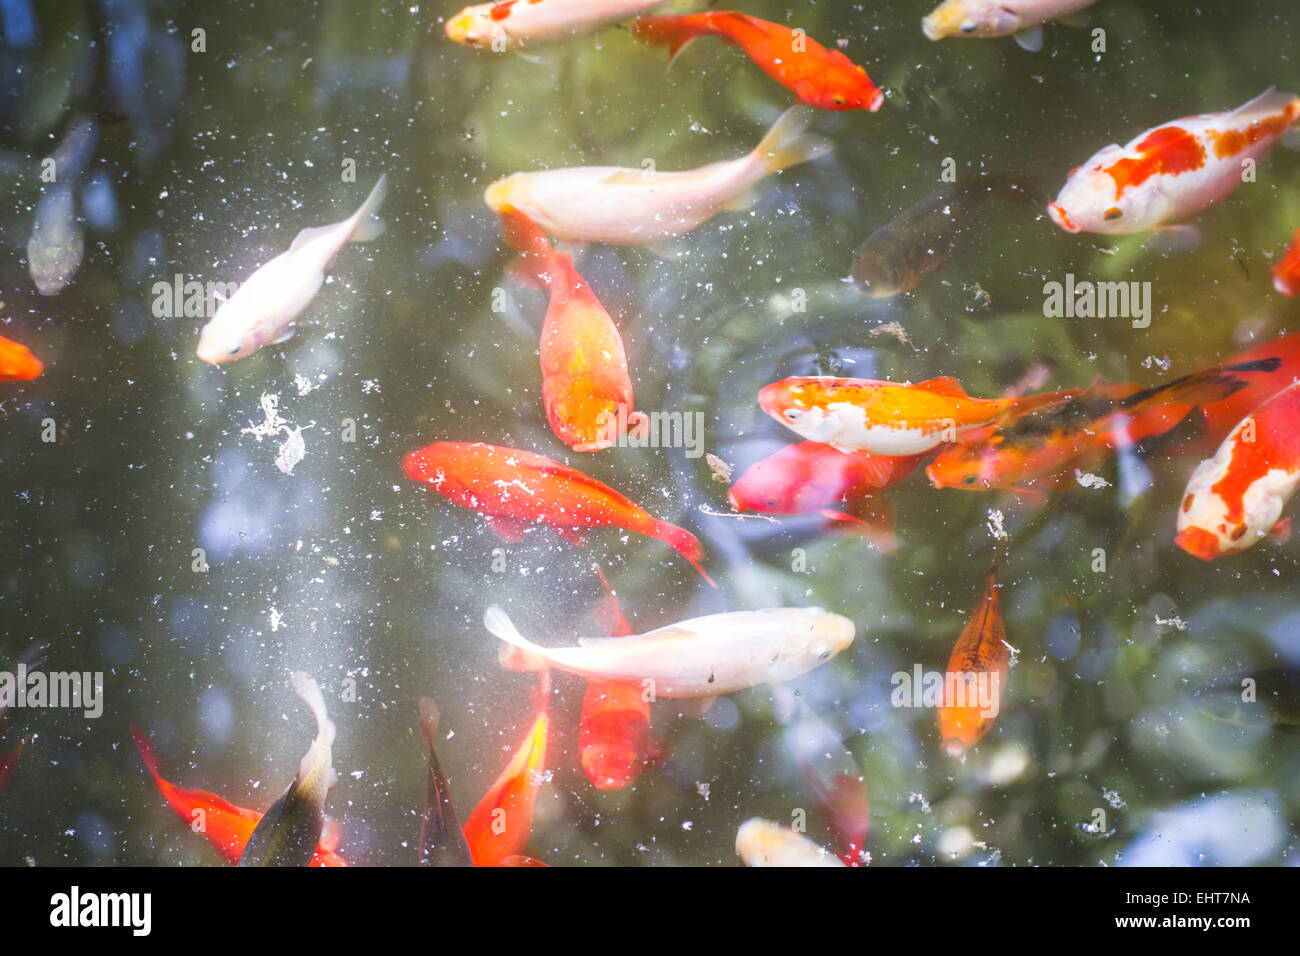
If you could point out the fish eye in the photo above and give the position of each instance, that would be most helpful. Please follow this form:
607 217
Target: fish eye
824 655
968 26
1238 532
837 100
1113 213
234 351
970 479
771 502
792 414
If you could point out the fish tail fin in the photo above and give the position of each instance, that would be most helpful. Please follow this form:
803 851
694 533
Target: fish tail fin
1029 403
1200 388
309 692
517 652
684 543
789 143
368 224
143 745
674 32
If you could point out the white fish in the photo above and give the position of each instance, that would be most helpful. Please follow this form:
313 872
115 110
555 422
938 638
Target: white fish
700 657
509 25
761 842
644 206
264 306
998 18
57 244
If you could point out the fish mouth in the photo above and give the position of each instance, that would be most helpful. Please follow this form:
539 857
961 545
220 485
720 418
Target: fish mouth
1062 218
877 100
932 27
935 477
1199 543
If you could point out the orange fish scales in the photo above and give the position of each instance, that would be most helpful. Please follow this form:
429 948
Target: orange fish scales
1169 150
1232 142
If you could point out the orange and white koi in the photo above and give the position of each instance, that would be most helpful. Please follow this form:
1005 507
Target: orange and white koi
614 730
515 24
1222 417
1173 171
885 418
1022 19
1235 499
501 824
265 306
17 363
513 489
1286 271
761 842
826 79
645 206
225 826
977 672
700 657
586 389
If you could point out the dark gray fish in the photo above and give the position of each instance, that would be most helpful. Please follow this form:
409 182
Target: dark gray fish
1274 698
442 841
289 832
920 240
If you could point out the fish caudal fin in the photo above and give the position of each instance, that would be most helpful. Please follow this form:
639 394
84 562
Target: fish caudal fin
368 224
684 543
319 753
517 652
674 32
789 143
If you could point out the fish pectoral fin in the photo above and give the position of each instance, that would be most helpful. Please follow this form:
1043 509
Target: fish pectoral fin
1282 530
1176 238
308 234
670 250
693 708
873 519
284 336
507 529
741 201
943 385
1030 39
572 535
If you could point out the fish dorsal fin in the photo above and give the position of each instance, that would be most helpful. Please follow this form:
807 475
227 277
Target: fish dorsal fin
628 177
943 385
308 234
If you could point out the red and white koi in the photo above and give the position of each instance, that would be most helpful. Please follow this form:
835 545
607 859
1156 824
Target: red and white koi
1173 171
1236 498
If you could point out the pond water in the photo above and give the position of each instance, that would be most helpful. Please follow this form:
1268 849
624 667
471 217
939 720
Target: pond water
207 164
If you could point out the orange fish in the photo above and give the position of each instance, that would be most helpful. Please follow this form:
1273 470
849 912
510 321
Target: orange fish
614 732
585 385
1102 418
224 825
826 79
1286 271
17 363
884 418
1222 417
977 672
514 489
500 826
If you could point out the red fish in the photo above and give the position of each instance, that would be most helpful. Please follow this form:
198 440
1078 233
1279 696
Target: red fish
1286 271
500 826
1221 417
1235 499
514 489
224 825
813 478
585 384
614 732
977 674
17 363
826 79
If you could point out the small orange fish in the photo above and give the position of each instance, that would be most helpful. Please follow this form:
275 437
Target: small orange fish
224 825
17 363
585 385
614 731
1286 271
499 827
826 79
884 418
976 675
514 489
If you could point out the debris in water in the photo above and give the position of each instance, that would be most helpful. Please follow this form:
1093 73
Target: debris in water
1090 480
721 470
